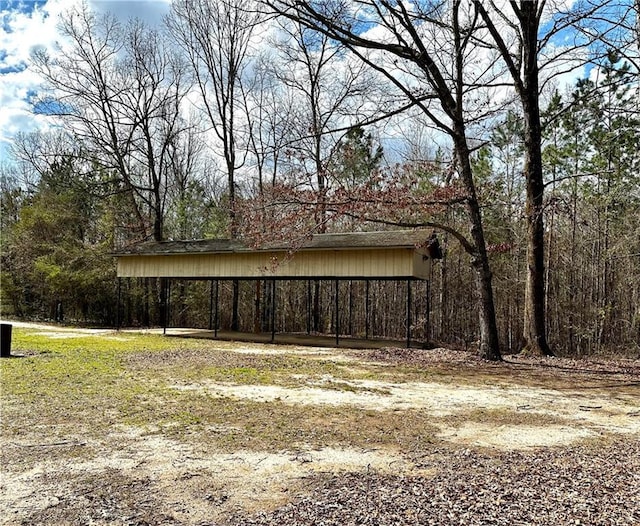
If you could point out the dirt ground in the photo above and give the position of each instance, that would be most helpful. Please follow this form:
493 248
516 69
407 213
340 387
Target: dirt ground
553 442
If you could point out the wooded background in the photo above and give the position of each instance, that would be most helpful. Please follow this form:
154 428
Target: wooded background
227 121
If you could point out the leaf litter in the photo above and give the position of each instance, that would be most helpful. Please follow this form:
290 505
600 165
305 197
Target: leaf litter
483 467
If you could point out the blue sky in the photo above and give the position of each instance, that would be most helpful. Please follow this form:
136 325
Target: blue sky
26 24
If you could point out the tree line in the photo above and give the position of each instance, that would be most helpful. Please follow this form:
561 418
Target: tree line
281 119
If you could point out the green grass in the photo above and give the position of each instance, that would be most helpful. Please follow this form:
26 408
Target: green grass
91 385
97 386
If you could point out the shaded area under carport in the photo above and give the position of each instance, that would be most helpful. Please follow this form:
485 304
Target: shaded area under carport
307 340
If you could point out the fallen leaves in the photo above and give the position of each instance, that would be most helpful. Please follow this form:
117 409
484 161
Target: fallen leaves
553 486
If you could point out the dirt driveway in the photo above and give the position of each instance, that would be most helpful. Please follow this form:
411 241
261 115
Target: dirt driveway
334 435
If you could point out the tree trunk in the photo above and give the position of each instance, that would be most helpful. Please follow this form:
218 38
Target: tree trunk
535 339
444 321
489 343
534 335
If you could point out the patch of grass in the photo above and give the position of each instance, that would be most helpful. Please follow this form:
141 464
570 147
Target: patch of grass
228 425
506 416
91 385
77 382
210 364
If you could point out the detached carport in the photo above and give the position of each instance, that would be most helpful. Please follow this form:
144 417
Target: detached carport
362 256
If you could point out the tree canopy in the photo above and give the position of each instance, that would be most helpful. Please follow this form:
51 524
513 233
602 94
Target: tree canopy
278 119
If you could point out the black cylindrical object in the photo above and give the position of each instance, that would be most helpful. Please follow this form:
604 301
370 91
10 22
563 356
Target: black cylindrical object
5 339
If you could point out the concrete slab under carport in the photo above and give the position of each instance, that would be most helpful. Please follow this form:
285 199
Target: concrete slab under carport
307 340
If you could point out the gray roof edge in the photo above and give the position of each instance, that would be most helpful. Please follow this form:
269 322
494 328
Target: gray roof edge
332 241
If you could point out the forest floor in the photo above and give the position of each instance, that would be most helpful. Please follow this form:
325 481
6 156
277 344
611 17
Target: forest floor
120 428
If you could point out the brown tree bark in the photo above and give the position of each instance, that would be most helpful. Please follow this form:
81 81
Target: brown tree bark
535 338
489 344
524 71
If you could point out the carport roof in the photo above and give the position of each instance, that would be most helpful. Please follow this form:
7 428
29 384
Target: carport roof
337 241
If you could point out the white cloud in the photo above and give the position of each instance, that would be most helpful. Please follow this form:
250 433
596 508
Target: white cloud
25 25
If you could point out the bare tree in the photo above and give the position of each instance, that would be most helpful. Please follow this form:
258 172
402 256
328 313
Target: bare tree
326 88
522 62
155 100
269 108
38 151
408 53
119 90
216 36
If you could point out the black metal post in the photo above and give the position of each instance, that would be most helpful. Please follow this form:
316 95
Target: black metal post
308 306
215 319
167 306
408 313
273 310
118 304
337 314
427 320
367 308
350 332
210 304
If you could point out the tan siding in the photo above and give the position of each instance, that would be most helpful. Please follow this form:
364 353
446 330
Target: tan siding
421 265
400 262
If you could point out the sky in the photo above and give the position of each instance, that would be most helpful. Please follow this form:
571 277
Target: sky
27 24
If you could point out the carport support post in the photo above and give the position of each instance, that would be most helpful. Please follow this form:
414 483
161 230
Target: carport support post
367 307
337 314
273 310
215 319
350 331
408 313
167 306
427 319
210 304
118 304
308 306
